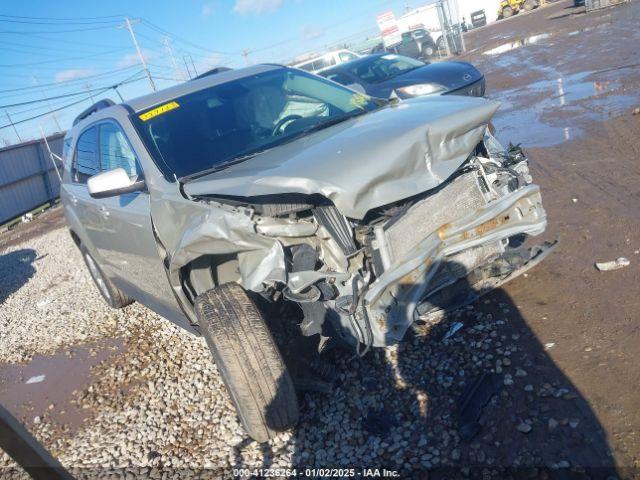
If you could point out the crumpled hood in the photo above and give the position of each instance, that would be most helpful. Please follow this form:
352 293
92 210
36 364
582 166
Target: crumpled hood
366 162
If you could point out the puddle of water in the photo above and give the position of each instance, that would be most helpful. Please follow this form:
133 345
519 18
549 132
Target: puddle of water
552 111
58 376
523 42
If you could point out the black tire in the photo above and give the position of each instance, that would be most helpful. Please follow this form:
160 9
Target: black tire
248 360
529 5
507 12
114 297
428 50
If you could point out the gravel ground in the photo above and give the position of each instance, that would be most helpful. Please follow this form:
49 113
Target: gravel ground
157 400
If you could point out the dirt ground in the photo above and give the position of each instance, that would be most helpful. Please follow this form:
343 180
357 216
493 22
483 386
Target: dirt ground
569 99
568 83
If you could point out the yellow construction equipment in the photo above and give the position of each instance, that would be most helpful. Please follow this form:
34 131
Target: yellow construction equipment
511 7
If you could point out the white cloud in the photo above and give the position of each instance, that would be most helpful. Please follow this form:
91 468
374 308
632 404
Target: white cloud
207 11
72 74
133 59
309 32
256 7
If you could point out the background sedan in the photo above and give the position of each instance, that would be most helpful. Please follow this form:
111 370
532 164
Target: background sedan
381 74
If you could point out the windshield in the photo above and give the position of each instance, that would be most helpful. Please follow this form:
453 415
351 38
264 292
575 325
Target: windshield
215 126
385 67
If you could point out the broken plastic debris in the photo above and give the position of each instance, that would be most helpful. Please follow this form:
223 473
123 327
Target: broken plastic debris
475 396
454 328
613 265
550 345
35 379
26 218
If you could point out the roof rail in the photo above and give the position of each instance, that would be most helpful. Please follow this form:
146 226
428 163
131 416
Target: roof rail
104 103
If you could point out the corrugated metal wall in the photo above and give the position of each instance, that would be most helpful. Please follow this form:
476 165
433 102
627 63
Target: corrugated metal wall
27 176
598 4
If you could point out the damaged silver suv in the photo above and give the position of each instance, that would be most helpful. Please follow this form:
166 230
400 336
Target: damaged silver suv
214 201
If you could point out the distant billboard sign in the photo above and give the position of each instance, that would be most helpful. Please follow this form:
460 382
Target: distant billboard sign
391 35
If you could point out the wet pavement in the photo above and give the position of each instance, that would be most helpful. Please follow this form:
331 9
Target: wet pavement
554 83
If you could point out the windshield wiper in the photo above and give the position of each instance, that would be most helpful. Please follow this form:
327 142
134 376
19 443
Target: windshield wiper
331 121
221 166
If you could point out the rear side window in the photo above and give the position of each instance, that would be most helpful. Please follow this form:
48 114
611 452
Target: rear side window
115 150
86 161
66 147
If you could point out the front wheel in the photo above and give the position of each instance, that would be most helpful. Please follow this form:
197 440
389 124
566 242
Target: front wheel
248 361
507 12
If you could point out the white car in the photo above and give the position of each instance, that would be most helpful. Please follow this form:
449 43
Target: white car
327 60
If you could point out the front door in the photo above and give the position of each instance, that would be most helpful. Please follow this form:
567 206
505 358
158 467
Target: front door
125 239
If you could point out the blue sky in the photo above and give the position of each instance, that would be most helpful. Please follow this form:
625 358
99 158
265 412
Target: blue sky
75 46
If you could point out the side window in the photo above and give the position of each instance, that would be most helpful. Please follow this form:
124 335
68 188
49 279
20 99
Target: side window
346 56
115 150
86 162
340 78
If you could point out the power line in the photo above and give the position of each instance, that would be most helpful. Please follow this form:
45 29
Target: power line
66 95
57 109
67 82
62 19
44 62
19 32
184 40
28 22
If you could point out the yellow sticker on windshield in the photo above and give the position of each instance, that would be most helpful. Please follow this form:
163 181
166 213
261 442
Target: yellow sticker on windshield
359 100
158 111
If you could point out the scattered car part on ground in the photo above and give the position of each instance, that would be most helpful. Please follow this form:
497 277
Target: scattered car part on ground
208 199
384 75
617 264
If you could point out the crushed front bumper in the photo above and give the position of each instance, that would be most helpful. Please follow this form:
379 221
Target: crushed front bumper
391 301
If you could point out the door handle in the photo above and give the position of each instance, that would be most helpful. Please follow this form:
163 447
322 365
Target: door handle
104 212
73 199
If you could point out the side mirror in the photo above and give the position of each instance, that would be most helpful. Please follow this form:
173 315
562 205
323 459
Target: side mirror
356 87
113 182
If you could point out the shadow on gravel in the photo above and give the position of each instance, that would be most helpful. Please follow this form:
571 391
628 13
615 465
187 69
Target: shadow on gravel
486 402
17 269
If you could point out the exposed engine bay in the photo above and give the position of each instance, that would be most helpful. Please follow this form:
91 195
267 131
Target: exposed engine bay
371 278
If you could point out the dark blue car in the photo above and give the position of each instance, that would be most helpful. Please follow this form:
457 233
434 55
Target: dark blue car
380 75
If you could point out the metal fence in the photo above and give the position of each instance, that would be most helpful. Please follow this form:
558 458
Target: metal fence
27 176
598 4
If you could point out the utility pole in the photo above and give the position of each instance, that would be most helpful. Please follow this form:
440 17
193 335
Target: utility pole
245 54
88 87
14 127
129 26
55 119
193 65
184 59
176 72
